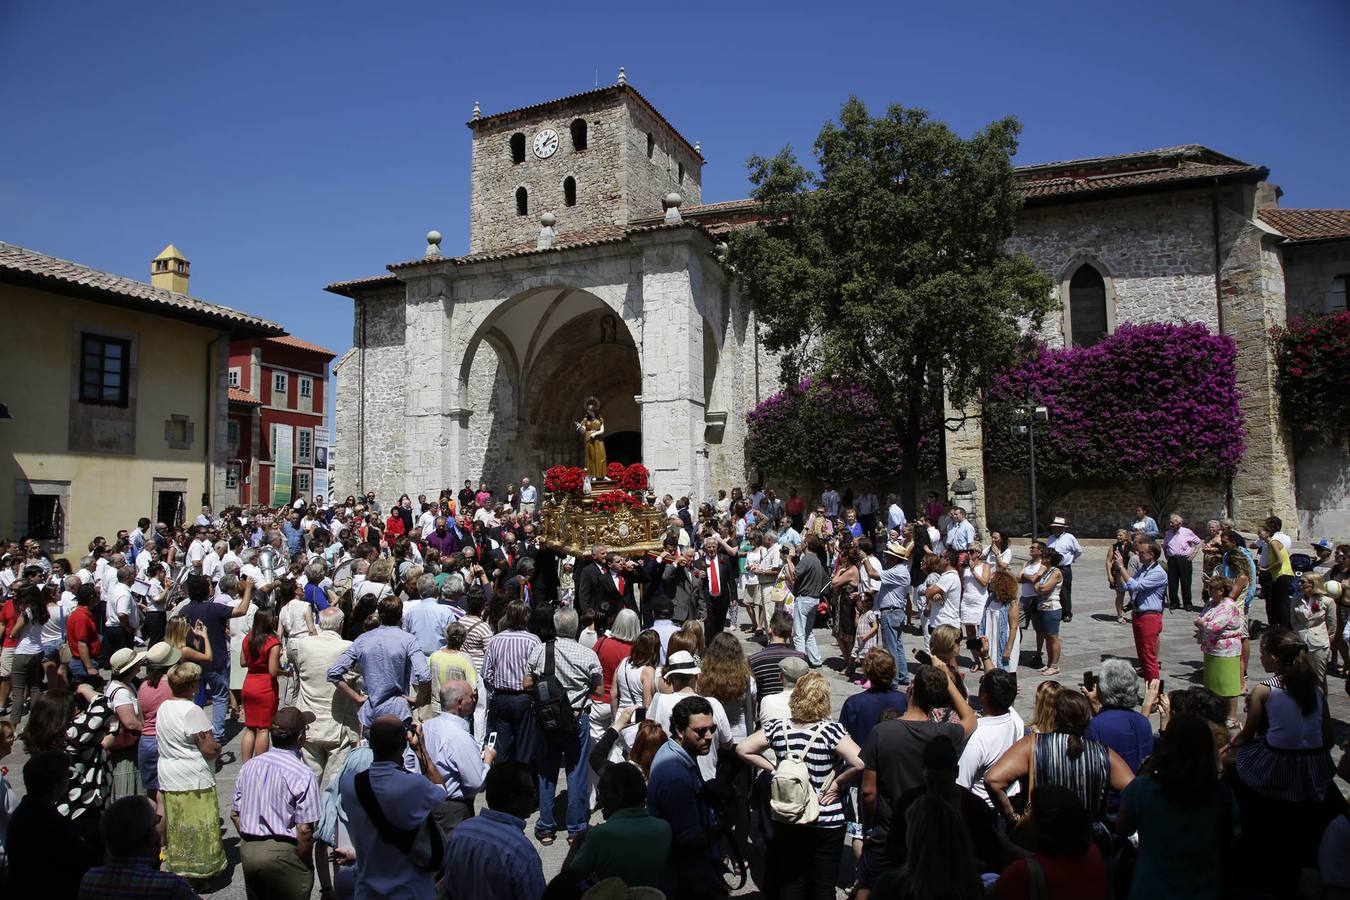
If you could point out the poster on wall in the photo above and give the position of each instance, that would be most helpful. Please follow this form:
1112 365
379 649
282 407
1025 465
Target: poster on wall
321 463
283 452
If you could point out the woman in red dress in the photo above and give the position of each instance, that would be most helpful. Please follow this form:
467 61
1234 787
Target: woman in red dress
261 659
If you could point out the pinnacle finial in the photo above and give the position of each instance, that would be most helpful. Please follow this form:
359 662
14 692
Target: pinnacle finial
623 77
433 245
477 112
698 147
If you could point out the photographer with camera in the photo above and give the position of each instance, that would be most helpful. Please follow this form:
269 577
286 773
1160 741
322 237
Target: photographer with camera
698 826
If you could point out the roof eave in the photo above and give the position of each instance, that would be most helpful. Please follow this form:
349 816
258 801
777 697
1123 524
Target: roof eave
1253 176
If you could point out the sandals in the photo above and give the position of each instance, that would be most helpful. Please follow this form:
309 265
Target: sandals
1050 670
1121 620
546 838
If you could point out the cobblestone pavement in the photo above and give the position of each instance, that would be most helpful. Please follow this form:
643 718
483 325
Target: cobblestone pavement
1092 636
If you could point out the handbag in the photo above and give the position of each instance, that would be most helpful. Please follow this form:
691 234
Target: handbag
1024 833
424 846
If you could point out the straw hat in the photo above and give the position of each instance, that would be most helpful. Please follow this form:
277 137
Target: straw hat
163 655
126 660
681 662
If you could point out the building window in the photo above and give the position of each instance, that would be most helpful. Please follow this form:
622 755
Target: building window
232 435
235 375
651 145
279 385
304 446
44 517
302 486
105 370
569 191
232 477
517 148
578 134
522 202
1087 307
681 173
272 442
1339 293
178 432
306 387
161 265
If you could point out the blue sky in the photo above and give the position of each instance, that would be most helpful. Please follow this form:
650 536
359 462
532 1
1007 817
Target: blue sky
283 146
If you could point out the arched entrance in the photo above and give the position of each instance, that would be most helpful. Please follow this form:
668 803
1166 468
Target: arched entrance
528 372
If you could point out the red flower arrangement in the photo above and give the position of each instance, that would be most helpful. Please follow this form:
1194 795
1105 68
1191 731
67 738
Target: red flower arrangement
609 501
565 480
634 478
614 471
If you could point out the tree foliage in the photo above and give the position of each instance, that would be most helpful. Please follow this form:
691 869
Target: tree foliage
887 268
1148 402
1312 358
829 429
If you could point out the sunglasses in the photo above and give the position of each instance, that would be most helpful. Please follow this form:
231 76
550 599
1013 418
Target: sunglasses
706 729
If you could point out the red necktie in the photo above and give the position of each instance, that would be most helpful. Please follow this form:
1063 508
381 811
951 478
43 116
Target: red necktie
618 582
713 579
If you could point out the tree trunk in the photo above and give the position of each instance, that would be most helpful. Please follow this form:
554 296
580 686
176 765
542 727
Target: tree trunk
909 442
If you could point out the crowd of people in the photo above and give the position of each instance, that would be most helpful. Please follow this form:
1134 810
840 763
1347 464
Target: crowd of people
410 686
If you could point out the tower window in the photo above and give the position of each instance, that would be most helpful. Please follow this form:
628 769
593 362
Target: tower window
517 148
569 191
578 134
651 145
522 202
1087 307
681 173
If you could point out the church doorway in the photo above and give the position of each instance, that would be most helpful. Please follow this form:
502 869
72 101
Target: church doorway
624 447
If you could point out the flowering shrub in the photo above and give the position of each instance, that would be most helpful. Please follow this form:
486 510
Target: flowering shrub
1312 358
828 429
612 500
614 471
635 478
565 479
1147 402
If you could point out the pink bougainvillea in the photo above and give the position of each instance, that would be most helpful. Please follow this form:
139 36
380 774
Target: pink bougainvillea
1312 357
1148 401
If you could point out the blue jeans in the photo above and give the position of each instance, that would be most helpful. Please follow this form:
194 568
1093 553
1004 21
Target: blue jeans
216 683
803 624
893 639
570 752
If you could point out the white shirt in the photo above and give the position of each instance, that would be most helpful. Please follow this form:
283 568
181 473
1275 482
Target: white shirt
181 765
1277 536
54 629
1034 570
427 522
197 551
255 575
211 566
949 613
230 557
121 603
992 738
895 516
764 558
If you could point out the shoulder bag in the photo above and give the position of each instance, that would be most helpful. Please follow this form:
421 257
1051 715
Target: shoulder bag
424 846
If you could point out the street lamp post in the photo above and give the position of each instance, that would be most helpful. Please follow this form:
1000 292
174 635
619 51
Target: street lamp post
1028 417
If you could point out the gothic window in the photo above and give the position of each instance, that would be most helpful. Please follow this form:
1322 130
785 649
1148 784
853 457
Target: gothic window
569 191
517 148
578 134
522 202
1087 307
651 145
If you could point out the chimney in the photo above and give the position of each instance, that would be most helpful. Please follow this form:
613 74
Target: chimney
169 270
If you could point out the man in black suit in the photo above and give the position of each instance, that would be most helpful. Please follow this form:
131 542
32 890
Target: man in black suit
719 584
616 589
683 583
586 579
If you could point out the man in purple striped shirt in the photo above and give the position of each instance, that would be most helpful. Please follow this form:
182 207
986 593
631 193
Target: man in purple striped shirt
276 806
504 665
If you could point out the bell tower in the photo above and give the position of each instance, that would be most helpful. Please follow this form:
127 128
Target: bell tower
595 160
169 270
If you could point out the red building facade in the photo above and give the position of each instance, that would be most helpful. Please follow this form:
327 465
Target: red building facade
275 381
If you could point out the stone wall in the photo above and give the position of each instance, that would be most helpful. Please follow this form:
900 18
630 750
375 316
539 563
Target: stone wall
1094 510
648 179
1308 272
373 449
346 411
1323 495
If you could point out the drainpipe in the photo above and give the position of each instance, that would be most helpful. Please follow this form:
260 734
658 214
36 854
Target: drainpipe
1218 310
208 422
361 403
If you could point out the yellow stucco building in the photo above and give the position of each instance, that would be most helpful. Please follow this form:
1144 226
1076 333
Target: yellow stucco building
117 397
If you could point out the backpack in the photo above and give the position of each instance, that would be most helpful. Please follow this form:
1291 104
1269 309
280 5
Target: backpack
552 708
792 799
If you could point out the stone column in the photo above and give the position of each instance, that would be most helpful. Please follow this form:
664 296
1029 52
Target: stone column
965 450
430 408
1252 287
672 361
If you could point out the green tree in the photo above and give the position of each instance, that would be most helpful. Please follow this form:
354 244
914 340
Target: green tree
889 268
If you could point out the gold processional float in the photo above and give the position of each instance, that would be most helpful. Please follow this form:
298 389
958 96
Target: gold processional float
616 510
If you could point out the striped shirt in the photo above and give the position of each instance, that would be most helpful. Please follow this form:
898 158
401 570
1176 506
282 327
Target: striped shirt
274 793
785 739
1088 775
505 659
475 642
764 666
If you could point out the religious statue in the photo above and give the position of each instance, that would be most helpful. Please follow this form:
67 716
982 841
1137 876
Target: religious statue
592 428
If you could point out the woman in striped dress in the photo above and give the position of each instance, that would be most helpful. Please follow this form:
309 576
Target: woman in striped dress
806 856
1065 758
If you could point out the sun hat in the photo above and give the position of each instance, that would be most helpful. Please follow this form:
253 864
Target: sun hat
1323 544
1060 521
163 655
125 660
681 662
894 549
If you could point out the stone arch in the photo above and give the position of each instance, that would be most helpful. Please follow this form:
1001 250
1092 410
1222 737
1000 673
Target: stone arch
1076 263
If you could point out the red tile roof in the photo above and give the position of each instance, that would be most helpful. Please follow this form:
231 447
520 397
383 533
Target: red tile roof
612 89
292 341
61 276
1309 224
238 396
342 287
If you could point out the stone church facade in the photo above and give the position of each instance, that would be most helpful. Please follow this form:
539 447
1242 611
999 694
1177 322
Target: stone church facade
594 270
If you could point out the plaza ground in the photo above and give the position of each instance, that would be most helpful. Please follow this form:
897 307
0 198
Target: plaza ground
1091 637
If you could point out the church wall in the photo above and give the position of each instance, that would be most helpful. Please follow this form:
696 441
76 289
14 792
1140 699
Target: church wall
346 395
381 441
1308 272
649 180
493 222
1094 510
